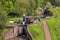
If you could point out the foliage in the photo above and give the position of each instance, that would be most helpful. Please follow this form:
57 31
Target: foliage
3 19
9 4
48 5
55 2
23 6
29 6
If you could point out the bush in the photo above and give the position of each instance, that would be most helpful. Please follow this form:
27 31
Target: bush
3 19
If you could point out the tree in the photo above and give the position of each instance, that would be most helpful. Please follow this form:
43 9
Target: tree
3 20
22 6
3 15
9 4
29 6
55 2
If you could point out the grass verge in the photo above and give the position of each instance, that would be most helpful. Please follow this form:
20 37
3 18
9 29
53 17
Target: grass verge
37 32
54 25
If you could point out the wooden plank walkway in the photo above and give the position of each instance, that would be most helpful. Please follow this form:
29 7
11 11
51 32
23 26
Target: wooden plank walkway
46 30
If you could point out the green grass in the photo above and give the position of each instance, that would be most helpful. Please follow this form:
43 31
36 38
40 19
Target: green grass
58 26
13 19
37 32
54 25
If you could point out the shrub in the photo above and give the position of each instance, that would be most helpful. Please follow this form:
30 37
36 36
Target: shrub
3 19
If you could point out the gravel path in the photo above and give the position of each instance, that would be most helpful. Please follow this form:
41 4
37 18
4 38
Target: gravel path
46 30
